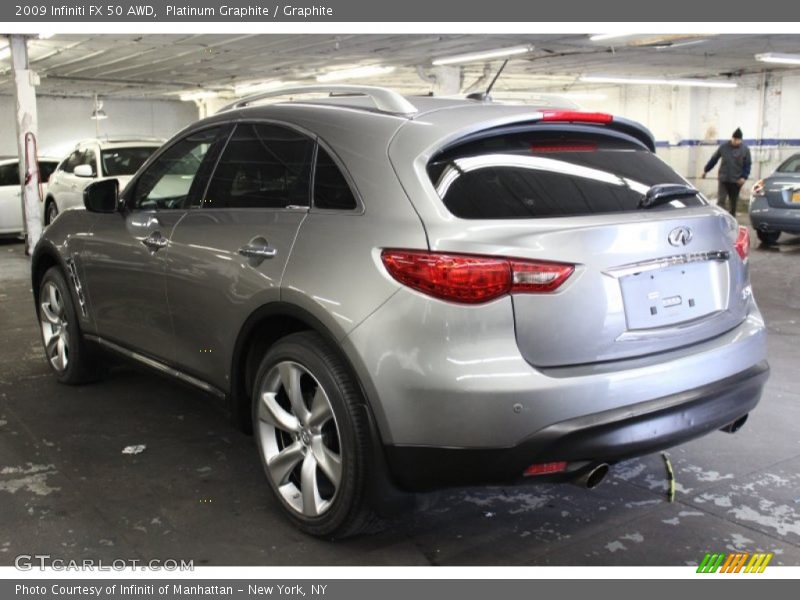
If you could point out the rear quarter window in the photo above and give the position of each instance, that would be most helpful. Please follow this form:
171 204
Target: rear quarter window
538 175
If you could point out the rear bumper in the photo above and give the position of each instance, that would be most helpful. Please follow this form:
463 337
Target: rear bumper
606 436
764 217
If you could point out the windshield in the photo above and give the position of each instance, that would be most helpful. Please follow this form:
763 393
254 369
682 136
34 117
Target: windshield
124 161
535 174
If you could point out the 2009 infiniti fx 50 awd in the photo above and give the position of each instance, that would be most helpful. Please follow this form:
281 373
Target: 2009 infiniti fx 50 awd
414 293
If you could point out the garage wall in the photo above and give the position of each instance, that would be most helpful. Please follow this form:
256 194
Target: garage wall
688 122
64 121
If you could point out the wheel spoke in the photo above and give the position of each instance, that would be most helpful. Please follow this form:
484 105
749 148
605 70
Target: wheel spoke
308 486
52 347
55 301
320 409
50 316
328 461
61 346
283 463
271 412
290 378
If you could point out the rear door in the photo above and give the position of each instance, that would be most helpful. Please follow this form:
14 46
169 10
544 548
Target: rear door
227 256
124 257
646 280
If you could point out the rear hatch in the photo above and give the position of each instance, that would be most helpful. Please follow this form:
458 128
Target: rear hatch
646 280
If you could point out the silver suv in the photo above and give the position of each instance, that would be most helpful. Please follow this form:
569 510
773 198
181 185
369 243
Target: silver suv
414 293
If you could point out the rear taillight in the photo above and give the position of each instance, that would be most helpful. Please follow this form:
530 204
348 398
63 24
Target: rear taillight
472 279
743 243
576 116
758 188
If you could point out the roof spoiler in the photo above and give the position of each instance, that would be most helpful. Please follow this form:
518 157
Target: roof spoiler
385 100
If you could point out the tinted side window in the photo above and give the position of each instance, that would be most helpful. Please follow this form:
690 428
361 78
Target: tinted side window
89 157
532 175
263 166
9 174
46 169
330 186
171 179
72 161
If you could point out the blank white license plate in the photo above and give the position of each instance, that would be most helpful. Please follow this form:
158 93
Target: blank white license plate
673 295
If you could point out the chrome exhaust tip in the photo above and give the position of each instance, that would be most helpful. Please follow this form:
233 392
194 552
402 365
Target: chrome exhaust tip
736 425
592 477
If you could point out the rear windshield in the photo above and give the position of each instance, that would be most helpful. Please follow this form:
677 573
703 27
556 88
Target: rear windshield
534 175
124 161
792 165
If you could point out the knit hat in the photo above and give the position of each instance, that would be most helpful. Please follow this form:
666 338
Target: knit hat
737 134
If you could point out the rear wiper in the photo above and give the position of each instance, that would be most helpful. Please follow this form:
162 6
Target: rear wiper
662 193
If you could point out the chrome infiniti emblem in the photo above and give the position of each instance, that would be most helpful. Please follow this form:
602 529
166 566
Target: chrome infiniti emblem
680 236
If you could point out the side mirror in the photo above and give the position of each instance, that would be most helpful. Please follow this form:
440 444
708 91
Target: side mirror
102 196
83 171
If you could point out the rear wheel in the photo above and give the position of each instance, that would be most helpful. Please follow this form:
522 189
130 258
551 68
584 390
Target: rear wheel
66 351
312 436
768 237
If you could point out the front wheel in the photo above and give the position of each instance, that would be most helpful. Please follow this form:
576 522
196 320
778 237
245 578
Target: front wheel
67 353
768 237
312 436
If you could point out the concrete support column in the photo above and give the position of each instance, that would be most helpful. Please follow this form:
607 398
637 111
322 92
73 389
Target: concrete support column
447 81
25 81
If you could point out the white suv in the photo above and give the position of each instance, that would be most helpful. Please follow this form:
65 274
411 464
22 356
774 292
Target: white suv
91 160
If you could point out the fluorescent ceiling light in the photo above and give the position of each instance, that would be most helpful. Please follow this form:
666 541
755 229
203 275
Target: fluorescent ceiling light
5 52
487 55
198 95
656 81
777 57
670 45
354 73
598 37
254 87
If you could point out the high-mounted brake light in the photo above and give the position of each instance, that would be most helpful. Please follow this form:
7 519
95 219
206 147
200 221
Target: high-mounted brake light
742 244
472 279
577 116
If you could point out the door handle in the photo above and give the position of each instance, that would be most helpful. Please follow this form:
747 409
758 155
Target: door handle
155 241
258 251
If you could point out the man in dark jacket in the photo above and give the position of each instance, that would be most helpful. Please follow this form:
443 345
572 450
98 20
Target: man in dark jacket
733 171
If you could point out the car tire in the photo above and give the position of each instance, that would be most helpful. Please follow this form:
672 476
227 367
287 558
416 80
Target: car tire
768 237
65 349
50 212
315 443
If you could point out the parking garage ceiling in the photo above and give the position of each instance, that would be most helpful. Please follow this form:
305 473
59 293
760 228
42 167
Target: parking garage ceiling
162 66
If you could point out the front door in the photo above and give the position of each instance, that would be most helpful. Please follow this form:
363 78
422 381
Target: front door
124 257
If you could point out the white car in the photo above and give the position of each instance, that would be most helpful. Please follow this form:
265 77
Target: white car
90 161
10 192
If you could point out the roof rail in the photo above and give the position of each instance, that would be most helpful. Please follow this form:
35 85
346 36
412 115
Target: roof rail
120 139
385 100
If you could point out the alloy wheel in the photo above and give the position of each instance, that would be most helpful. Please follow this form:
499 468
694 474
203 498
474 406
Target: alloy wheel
52 316
299 439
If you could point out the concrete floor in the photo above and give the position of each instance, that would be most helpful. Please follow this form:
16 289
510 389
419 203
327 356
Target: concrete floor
197 491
